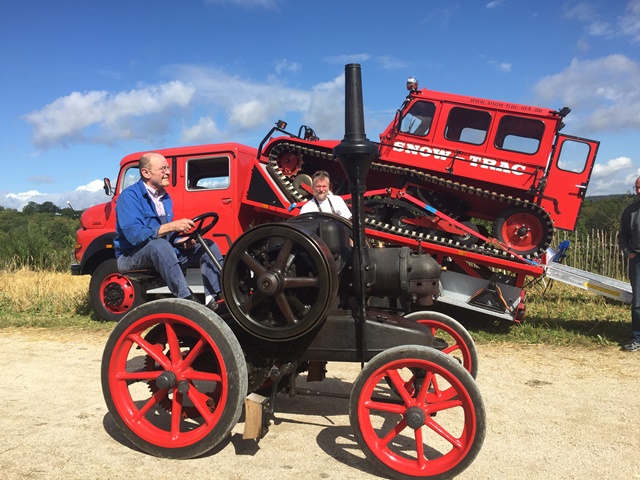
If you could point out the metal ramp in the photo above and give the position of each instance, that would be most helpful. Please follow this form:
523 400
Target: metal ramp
592 282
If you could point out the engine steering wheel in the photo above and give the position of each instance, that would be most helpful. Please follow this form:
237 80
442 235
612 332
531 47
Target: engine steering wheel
203 224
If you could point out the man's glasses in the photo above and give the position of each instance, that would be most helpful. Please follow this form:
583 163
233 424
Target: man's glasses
165 168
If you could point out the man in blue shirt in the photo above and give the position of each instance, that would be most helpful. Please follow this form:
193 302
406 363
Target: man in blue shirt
144 218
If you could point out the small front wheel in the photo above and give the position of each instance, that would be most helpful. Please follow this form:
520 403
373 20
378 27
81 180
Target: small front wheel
174 378
429 424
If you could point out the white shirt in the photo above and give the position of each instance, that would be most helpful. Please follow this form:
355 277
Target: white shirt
331 204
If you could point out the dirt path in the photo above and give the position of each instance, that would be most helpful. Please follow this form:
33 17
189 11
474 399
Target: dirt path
551 413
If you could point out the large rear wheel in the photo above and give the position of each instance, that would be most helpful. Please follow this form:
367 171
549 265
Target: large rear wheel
174 378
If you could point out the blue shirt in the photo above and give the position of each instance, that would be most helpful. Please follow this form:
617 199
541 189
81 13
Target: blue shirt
137 220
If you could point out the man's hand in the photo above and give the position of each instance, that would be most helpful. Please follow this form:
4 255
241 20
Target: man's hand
631 255
180 226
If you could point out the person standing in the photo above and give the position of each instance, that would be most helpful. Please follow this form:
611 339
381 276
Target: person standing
323 200
144 219
629 242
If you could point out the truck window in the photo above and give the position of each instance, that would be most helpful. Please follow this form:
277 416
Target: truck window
131 176
208 173
573 156
519 134
417 121
467 126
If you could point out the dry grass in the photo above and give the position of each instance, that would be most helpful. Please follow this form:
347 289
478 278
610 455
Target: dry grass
26 291
560 315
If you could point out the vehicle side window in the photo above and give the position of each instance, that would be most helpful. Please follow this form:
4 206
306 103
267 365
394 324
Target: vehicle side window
208 173
518 134
467 126
417 121
573 156
130 176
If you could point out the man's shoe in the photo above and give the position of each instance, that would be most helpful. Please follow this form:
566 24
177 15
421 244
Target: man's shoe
632 346
213 304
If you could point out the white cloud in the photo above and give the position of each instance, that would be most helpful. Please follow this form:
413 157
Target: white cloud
612 176
630 22
494 3
102 116
627 25
249 105
93 186
607 88
285 65
205 131
82 197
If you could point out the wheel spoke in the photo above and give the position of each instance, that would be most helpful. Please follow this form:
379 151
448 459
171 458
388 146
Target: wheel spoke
195 351
422 461
399 384
387 407
199 400
301 282
151 350
394 432
437 428
191 374
254 265
252 301
140 375
176 415
155 399
174 345
285 309
283 255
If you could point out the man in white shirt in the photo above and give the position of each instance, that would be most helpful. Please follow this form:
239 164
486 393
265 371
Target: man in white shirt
323 200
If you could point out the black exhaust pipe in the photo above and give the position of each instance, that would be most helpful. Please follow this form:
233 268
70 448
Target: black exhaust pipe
355 153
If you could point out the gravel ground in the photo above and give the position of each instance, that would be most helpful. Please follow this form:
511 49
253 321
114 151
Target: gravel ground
560 413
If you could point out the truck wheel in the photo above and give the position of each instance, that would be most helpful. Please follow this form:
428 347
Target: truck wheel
525 231
460 345
112 294
174 378
434 431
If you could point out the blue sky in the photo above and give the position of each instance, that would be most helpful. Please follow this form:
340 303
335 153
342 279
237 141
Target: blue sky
84 83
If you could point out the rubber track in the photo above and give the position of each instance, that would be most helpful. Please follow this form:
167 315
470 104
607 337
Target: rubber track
421 177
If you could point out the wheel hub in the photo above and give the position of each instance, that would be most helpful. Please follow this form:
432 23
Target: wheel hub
522 231
415 417
269 283
113 294
166 380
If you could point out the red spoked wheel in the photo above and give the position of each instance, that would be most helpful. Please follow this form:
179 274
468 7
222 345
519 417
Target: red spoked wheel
525 231
432 429
174 378
112 294
459 343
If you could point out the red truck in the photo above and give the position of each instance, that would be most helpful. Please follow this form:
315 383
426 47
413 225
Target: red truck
479 184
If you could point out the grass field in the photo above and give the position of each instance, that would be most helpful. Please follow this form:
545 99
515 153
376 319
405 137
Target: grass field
556 315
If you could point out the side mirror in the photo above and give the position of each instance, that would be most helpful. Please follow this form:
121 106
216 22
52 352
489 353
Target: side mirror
107 187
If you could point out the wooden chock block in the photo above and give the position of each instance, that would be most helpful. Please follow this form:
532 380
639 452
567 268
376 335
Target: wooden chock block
253 416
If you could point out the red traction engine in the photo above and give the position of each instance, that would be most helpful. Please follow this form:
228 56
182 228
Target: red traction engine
175 375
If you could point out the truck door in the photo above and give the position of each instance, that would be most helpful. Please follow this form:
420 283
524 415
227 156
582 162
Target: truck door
567 179
208 188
